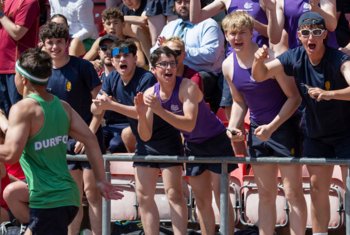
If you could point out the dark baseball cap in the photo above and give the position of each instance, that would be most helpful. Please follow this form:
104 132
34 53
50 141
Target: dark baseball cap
107 37
311 18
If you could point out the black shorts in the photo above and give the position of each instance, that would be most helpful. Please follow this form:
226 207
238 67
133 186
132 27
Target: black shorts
284 142
156 165
160 7
80 165
217 146
327 147
53 221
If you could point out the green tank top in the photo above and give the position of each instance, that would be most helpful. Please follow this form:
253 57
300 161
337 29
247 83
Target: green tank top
44 160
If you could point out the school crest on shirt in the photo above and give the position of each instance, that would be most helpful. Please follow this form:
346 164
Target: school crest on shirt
306 7
174 108
327 85
68 86
248 6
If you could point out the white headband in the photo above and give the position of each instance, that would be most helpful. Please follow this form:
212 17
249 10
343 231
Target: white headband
30 77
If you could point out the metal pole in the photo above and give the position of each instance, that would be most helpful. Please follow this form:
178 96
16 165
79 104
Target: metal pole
224 213
106 204
347 204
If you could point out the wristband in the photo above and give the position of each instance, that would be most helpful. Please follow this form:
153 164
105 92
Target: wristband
1 14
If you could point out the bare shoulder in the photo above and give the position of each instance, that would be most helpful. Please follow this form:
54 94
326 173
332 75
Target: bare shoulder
189 89
25 108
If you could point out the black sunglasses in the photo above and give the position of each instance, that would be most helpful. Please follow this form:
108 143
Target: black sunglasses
104 47
177 52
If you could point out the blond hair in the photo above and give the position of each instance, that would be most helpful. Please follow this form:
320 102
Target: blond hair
176 40
236 21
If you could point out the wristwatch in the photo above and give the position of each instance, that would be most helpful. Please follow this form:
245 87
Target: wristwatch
1 14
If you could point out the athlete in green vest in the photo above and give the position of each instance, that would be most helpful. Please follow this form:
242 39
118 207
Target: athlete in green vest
38 130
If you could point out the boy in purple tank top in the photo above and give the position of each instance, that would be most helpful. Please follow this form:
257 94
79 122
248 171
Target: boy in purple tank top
180 102
273 129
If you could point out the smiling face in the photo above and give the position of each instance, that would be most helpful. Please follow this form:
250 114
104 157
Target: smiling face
312 38
56 47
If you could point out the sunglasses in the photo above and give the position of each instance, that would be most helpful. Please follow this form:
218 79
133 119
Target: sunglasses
177 52
104 48
165 64
118 50
314 32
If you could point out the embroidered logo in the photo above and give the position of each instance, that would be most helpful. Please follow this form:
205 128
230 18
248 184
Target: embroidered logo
248 6
174 108
327 85
68 86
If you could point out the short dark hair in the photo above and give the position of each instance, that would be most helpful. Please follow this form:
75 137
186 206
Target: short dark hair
60 16
112 13
36 62
53 30
129 43
158 52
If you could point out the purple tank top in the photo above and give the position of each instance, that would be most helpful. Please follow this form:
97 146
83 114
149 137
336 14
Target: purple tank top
293 9
264 99
252 7
207 125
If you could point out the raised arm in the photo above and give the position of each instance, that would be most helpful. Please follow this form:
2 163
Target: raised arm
261 70
198 14
275 16
328 10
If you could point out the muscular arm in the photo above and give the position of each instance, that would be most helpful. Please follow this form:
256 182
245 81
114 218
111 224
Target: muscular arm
17 133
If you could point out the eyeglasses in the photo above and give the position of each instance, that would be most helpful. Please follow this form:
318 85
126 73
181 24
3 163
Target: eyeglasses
104 48
165 64
315 32
117 50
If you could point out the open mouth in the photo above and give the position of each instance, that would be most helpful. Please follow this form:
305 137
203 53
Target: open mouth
238 44
123 66
168 75
311 46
